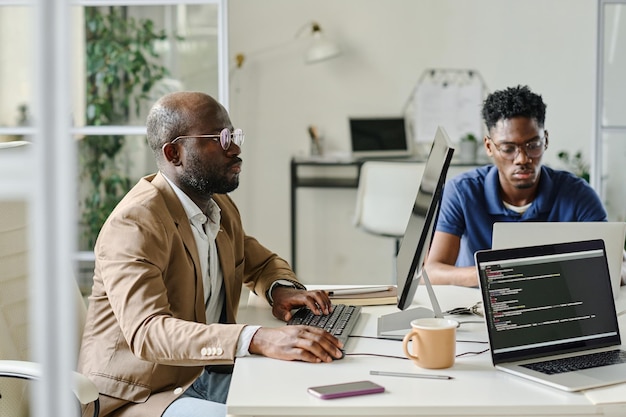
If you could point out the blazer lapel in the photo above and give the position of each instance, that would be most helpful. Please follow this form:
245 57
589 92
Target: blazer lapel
182 223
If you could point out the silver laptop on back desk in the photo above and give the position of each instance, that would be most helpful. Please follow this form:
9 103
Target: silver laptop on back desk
515 234
549 308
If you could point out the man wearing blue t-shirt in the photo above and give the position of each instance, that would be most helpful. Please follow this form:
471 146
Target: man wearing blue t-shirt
515 188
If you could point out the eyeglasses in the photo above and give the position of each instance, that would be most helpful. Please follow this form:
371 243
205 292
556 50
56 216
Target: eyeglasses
225 137
532 149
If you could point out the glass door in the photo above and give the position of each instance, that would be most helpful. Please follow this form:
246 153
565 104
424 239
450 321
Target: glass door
610 120
70 93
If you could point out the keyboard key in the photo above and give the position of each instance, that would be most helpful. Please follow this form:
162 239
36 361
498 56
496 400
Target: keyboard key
339 323
592 360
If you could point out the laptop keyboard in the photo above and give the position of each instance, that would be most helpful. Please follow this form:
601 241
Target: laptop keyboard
592 360
339 323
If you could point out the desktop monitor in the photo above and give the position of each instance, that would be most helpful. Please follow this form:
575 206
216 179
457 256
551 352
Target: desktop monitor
416 241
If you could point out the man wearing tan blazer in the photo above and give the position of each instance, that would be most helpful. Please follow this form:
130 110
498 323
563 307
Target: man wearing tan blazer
171 260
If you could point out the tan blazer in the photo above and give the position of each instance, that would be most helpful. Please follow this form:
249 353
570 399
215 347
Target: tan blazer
145 338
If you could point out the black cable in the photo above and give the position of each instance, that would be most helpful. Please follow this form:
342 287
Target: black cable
400 341
379 355
472 353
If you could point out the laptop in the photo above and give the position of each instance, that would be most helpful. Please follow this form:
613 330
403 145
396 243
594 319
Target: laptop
379 138
550 314
512 234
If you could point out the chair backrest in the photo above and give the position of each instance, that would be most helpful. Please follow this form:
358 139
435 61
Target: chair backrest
385 196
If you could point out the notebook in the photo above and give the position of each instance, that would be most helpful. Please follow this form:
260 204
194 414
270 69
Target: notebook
549 304
512 234
379 138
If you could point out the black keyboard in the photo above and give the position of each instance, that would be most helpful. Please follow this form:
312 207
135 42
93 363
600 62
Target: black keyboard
591 360
339 323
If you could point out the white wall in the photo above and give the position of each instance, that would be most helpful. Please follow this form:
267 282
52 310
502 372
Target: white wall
547 44
15 85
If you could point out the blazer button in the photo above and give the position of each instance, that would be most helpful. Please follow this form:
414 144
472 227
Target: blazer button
204 351
178 391
219 351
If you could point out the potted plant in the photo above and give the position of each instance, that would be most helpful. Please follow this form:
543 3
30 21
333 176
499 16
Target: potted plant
121 68
468 148
575 163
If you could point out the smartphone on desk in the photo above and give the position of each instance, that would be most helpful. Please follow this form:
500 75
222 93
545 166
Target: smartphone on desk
348 389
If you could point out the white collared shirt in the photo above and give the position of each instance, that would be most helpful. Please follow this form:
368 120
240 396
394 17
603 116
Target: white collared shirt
205 230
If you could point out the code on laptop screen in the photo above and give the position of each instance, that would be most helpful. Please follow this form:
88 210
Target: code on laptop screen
547 300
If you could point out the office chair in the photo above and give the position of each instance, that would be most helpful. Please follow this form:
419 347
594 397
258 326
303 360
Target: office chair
15 365
385 197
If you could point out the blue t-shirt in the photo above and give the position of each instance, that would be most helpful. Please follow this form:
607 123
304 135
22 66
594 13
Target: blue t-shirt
471 204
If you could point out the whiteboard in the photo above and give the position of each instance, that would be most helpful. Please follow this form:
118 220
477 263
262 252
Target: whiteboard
450 98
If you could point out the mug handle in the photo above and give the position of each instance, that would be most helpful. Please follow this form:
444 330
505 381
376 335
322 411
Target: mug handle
405 343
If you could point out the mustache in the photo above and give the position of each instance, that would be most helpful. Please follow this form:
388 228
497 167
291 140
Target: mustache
236 160
523 169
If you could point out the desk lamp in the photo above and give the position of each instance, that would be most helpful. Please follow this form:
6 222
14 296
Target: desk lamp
321 48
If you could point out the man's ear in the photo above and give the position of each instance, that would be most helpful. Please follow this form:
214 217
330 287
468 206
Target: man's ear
545 135
171 153
488 144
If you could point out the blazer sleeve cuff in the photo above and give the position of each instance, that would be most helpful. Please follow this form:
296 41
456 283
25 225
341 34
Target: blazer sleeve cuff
282 283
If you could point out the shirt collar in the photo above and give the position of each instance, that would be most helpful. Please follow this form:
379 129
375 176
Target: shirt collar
545 193
194 213
492 192
494 202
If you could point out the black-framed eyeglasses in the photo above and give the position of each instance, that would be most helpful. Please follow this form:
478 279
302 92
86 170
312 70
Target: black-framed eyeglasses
532 149
225 138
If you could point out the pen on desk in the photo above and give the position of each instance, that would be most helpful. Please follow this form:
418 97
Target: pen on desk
359 290
409 375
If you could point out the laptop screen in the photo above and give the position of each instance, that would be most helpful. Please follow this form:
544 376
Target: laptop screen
515 234
547 299
379 137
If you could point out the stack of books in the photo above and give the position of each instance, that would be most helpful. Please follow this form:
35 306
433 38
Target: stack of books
364 296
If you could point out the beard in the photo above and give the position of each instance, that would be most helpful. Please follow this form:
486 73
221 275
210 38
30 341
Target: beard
524 185
206 179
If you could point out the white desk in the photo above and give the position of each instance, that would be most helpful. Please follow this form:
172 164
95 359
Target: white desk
269 387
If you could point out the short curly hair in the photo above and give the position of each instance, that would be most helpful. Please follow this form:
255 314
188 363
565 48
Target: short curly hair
513 102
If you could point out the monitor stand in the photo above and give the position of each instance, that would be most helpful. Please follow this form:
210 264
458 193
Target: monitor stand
396 325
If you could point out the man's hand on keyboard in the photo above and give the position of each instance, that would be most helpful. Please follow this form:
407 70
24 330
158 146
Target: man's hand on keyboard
305 343
286 299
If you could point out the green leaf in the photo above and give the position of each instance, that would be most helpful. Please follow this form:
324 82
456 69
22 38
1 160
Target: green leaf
121 68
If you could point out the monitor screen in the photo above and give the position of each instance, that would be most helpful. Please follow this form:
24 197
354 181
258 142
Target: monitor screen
419 229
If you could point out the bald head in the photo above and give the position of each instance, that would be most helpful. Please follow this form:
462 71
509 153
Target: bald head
181 113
